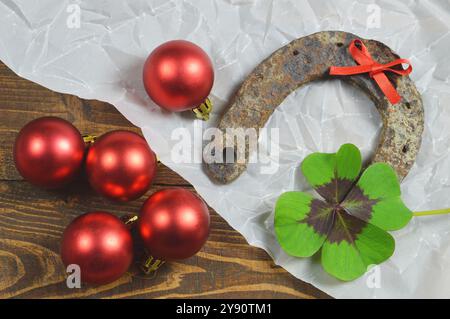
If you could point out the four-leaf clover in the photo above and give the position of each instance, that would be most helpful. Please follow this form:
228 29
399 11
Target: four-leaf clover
351 223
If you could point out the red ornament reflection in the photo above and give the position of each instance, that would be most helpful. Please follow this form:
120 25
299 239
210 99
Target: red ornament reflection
48 152
100 244
120 165
174 224
178 75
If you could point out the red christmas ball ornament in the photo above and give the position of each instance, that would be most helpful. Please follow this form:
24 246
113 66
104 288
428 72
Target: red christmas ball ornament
178 75
173 224
120 165
48 152
100 244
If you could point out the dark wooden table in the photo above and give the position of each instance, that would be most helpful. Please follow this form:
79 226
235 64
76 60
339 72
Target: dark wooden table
32 221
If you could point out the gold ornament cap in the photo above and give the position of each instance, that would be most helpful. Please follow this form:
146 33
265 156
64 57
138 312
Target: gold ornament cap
203 110
151 264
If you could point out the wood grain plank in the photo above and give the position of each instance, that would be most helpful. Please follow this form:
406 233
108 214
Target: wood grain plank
32 221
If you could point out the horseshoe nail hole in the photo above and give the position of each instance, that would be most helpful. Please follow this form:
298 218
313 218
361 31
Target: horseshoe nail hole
405 149
229 155
295 52
339 44
408 105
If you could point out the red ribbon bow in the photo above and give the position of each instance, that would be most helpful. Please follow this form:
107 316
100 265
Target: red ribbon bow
376 70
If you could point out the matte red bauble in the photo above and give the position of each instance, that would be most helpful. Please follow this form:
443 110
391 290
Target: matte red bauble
178 75
173 224
120 165
100 244
48 152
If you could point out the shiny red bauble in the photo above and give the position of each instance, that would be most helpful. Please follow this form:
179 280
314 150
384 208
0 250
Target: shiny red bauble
120 165
173 224
48 152
100 244
178 75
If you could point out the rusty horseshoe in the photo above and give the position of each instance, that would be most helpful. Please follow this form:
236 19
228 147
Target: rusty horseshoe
308 59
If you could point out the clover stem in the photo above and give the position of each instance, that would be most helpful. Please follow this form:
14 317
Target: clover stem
433 212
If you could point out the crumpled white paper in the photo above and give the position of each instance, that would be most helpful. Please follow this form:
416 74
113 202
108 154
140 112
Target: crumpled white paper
102 58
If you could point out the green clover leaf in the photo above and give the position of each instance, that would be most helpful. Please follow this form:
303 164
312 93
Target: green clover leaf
351 223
